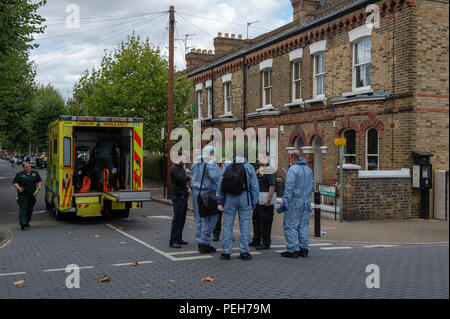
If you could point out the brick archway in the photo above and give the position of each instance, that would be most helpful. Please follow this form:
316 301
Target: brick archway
346 124
314 132
297 132
371 122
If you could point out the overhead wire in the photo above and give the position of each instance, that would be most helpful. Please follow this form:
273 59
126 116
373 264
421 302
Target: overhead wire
222 21
79 42
195 26
136 26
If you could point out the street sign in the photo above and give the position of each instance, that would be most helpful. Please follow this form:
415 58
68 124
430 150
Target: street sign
327 190
340 141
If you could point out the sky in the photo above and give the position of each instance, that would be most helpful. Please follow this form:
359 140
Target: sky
66 49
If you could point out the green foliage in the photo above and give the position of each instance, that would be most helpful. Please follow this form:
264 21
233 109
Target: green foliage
154 167
47 105
132 81
18 23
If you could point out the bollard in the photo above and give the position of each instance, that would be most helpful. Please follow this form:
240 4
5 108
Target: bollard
316 214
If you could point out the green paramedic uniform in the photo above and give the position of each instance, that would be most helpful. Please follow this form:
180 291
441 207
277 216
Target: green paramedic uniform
103 157
27 198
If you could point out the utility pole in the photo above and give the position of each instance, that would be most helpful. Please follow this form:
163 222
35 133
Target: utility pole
170 106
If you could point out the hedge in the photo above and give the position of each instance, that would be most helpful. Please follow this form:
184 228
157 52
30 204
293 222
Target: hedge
154 167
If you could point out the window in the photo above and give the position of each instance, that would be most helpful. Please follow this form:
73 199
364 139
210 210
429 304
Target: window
350 147
361 63
296 81
67 152
372 149
267 88
55 146
209 91
319 75
199 103
227 88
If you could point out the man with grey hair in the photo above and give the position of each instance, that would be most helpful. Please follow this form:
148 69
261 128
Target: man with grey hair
297 206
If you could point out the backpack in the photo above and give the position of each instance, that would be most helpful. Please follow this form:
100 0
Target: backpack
235 179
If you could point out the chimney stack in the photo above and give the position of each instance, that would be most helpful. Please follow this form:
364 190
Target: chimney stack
304 10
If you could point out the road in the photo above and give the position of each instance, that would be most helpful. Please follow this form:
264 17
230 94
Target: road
134 253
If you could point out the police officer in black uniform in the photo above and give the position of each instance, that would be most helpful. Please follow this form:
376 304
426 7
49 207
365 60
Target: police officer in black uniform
28 182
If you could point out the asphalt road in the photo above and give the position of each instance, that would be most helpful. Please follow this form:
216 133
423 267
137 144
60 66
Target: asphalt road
135 255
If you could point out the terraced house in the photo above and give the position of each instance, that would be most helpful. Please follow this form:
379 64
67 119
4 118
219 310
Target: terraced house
374 72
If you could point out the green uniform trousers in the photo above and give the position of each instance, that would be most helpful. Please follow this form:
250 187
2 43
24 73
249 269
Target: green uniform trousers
26 203
102 161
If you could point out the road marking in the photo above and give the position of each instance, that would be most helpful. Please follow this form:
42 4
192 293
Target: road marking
163 217
156 250
13 273
379 246
335 248
131 264
193 258
251 253
64 269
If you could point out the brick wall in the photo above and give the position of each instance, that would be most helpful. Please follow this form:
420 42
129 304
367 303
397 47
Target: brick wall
378 198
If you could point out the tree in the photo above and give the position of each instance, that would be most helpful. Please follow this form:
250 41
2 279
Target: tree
47 105
18 23
132 81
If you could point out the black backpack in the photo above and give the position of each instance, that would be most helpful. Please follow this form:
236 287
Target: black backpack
235 179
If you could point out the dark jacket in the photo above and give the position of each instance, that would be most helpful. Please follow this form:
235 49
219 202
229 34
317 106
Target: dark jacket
178 180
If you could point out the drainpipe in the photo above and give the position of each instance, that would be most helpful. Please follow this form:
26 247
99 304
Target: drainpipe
245 91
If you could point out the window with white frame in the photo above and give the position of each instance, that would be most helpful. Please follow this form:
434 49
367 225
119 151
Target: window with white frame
199 103
319 75
267 87
227 94
296 80
350 147
209 91
361 63
371 149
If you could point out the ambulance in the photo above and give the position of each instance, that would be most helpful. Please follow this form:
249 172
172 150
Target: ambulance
72 186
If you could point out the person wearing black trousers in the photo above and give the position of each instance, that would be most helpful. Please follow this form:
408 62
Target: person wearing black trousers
263 213
180 195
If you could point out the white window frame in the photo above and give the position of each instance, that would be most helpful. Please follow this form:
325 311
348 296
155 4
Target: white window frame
267 105
209 92
355 66
228 102
294 81
343 136
317 75
378 148
200 104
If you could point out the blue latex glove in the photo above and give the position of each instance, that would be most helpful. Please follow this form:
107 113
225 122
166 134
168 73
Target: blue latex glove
282 208
253 206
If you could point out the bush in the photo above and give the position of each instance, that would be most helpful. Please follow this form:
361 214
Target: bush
154 167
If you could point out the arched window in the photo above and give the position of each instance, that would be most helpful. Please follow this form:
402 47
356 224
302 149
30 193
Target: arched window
350 147
372 149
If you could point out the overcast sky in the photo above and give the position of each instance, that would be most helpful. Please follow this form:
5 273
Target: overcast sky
64 53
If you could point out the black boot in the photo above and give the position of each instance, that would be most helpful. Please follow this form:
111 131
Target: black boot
302 252
289 254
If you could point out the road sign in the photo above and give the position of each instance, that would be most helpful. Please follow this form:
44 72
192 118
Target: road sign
340 141
327 190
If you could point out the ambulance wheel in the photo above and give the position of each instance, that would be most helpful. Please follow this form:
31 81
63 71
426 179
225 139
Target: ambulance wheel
59 215
124 213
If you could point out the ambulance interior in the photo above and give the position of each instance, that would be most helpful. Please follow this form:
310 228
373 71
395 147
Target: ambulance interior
86 139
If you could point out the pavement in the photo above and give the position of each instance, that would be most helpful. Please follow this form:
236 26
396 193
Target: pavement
387 231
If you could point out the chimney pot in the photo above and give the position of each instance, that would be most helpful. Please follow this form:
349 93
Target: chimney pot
226 35
209 51
204 51
233 36
219 35
240 36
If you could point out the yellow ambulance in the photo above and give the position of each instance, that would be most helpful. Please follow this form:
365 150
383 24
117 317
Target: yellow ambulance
72 186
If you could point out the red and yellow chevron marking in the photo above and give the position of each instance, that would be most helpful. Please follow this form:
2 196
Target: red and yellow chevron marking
137 158
82 206
68 190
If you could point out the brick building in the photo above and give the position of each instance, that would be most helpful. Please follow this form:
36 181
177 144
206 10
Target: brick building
384 85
